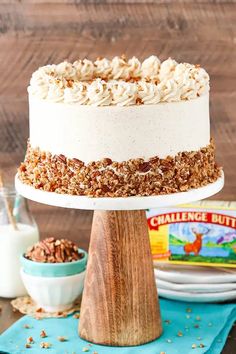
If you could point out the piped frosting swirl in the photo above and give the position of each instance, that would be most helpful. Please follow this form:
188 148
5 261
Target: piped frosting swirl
119 81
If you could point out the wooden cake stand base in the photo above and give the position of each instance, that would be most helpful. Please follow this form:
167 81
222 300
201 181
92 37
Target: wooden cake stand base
120 304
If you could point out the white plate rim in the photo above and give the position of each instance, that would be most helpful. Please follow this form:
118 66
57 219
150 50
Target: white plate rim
177 277
196 288
207 297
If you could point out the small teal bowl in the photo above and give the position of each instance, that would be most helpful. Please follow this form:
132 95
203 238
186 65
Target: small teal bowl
54 269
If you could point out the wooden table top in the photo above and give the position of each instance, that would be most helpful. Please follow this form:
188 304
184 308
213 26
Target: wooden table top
37 32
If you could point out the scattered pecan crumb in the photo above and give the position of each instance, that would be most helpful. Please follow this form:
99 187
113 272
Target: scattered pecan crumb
45 345
39 310
180 334
76 315
85 349
62 339
139 101
194 346
144 167
30 340
26 326
201 345
43 334
27 345
189 310
61 158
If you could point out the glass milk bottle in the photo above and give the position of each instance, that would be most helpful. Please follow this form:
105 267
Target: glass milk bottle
18 231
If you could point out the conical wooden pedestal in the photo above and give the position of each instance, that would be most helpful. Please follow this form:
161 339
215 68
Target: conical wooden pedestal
120 304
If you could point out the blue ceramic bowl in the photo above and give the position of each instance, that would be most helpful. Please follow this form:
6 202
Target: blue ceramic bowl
54 269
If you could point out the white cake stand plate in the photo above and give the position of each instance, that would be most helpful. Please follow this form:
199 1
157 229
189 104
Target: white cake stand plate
120 304
129 203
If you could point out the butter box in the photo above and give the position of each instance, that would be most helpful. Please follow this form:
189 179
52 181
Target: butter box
202 233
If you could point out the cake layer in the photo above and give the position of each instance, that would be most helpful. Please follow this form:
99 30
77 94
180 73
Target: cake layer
107 178
91 133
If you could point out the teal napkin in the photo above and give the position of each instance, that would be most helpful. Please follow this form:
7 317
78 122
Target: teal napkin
187 326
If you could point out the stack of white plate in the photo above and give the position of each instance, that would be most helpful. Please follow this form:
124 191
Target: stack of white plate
196 284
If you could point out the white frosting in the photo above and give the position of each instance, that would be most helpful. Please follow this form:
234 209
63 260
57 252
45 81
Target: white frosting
123 81
124 93
99 93
167 69
76 93
120 68
151 67
84 69
120 133
149 93
102 68
134 67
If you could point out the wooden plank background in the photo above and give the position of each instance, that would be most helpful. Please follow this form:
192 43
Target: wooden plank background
37 32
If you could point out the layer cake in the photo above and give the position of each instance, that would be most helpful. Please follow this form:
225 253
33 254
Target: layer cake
119 128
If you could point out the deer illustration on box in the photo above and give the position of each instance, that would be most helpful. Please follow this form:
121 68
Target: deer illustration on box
196 245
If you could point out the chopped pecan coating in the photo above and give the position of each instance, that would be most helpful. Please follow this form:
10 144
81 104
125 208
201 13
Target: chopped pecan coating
107 178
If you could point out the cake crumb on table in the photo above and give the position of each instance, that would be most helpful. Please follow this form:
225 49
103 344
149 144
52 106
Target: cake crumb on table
30 340
43 334
62 339
45 345
76 315
26 326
